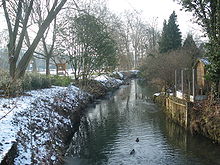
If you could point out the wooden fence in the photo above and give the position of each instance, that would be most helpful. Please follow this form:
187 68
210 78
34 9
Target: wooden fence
177 110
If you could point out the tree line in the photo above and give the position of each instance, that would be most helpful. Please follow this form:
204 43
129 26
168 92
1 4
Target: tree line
84 34
174 54
90 38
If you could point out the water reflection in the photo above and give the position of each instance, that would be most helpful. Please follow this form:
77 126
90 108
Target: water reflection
108 131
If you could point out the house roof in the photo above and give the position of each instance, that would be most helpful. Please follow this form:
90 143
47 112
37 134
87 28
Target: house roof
204 60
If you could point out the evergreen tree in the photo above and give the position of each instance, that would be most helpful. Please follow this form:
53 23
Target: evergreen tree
207 14
171 35
189 42
190 47
99 47
163 45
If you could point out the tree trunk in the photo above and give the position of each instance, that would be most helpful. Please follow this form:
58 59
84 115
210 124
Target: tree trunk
47 65
34 65
12 67
217 89
23 63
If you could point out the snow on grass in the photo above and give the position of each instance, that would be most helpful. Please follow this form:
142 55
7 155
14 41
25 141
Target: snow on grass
38 121
156 94
27 119
121 75
109 82
134 71
43 126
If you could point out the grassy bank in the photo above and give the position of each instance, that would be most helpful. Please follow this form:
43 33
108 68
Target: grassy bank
31 81
42 122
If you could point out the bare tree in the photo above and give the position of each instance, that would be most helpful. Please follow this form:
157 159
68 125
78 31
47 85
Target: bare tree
160 68
67 45
40 11
142 36
17 15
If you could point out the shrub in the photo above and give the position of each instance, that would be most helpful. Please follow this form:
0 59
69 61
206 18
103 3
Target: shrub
9 86
46 81
160 68
13 87
29 82
26 82
4 79
36 81
61 80
116 75
95 88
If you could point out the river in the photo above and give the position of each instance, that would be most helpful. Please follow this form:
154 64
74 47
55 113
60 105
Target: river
109 129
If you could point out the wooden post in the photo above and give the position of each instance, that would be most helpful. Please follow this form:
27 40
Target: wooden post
175 82
193 83
186 117
189 93
182 85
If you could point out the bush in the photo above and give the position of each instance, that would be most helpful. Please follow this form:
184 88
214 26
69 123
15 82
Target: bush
26 82
160 68
13 88
46 81
61 80
4 79
93 87
36 81
117 75
9 86
29 82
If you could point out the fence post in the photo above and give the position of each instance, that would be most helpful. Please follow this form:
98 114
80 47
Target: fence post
182 83
175 82
193 84
186 120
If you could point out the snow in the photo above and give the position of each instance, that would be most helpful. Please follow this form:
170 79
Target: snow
33 110
34 121
102 78
109 82
134 71
156 94
179 94
16 105
120 75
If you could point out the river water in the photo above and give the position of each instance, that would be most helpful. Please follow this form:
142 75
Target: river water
108 131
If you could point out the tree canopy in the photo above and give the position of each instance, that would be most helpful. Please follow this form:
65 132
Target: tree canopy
171 35
207 14
88 44
18 18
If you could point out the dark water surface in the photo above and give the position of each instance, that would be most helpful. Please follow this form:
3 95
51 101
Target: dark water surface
108 132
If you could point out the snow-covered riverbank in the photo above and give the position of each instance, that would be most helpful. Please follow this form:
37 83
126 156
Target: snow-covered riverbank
40 123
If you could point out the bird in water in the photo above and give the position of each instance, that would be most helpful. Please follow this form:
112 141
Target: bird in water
132 152
137 140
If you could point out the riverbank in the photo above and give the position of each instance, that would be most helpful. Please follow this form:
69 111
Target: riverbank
108 131
35 128
201 117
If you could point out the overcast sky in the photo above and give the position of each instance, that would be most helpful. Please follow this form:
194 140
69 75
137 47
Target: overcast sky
160 9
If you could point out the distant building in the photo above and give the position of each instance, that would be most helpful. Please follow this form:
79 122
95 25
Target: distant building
202 86
61 69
